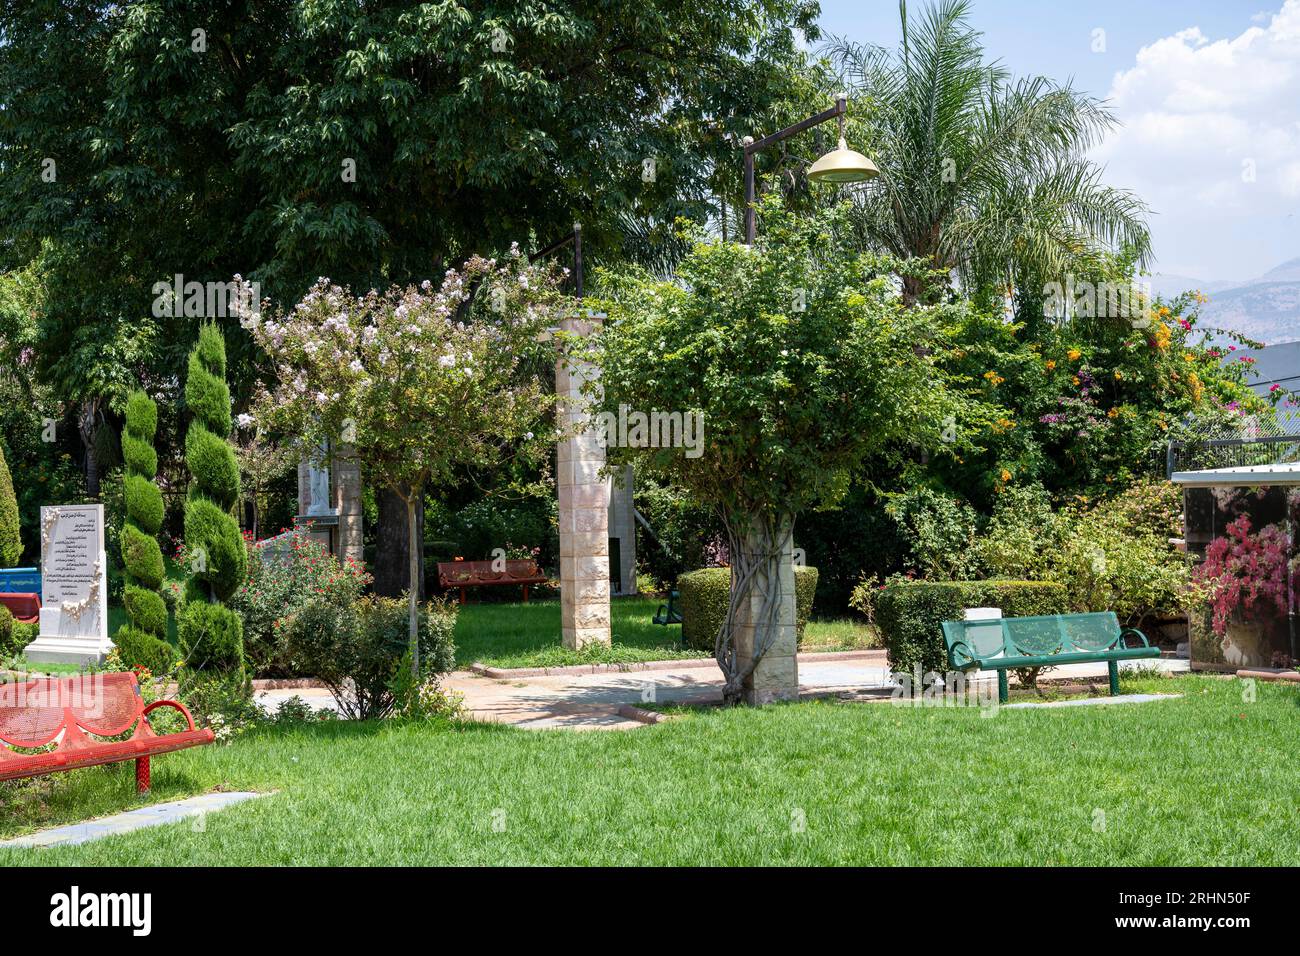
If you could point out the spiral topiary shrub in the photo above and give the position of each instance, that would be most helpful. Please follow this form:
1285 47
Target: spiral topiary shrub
218 557
210 634
142 641
11 544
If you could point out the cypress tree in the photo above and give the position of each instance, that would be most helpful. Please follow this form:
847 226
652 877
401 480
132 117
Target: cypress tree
143 641
11 544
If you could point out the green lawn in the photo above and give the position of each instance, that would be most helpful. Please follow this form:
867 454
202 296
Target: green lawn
528 635
1206 779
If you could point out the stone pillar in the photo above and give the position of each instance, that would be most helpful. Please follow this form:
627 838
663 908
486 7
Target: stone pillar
584 502
777 675
347 501
622 528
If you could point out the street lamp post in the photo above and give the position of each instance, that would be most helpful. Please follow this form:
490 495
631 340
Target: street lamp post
840 165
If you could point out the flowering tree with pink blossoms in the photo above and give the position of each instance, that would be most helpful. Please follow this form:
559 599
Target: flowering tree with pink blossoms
421 382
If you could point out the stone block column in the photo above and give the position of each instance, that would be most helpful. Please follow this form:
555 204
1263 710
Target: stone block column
347 500
584 501
777 675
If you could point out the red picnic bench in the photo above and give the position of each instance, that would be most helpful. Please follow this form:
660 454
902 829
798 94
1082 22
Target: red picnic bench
34 713
23 606
472 574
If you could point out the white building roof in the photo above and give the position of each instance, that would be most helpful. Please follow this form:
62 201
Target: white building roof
1286 473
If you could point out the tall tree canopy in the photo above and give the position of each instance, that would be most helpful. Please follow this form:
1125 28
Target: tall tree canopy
986 174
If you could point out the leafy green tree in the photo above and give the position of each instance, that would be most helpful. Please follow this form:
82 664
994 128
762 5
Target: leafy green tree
11 543
209 632
800 365
143 640
984 174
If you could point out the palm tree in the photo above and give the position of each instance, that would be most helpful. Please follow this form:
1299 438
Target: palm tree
985 175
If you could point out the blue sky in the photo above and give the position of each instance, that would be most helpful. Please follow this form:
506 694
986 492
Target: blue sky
1208 94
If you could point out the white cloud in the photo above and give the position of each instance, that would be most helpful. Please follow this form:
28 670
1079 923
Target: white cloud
1211 141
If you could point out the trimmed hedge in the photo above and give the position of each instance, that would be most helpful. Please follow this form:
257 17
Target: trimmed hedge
706 593
142 559
909 613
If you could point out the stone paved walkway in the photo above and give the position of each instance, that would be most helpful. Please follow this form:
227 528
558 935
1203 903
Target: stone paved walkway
151 816
593 701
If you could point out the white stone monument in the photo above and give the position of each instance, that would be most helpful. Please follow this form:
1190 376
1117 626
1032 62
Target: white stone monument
74 587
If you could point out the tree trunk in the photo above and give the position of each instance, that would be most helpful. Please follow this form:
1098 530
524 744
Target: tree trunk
413 583
760 614
392 556
86 428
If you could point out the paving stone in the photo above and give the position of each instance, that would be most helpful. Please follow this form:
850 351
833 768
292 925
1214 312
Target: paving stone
150 816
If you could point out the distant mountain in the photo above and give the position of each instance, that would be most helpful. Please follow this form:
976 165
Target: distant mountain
1266 309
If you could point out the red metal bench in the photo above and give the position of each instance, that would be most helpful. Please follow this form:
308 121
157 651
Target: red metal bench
23 606
472 574
34 713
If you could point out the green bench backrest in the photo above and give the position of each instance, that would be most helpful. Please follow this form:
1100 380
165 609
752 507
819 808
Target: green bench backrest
1033 636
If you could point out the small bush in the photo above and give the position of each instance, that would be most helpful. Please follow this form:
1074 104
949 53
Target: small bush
221 701
24 632
356 650
146 609
224 560
909 613
6 632
142 557
211 637
298 571
140 649
706 593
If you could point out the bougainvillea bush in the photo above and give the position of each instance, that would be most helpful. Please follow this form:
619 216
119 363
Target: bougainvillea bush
285 574
1243 574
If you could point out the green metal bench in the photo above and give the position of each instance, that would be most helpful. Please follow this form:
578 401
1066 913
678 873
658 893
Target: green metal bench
669 613
1010 642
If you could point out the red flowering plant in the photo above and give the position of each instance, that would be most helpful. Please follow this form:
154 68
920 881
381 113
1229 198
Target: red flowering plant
1243 572
285 574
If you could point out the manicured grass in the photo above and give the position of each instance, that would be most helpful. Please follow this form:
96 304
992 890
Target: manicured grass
528 635
1206 779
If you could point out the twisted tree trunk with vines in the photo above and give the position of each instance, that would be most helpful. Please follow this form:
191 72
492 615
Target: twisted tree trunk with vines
755 647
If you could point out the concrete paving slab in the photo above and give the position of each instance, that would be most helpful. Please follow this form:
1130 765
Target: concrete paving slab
1093 701
151 816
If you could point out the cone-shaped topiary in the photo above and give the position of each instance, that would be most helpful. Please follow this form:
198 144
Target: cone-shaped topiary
142 642
11 545
211 636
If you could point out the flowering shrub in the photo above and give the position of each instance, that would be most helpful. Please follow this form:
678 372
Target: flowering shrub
285 574
1243 572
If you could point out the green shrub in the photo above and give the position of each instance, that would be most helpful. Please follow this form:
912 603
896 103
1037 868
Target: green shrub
11 543
939 531
211 637
357 649
24 632
146 609
6 632
706 593
219 569
909 613
144 503
140 649
142 558
298 572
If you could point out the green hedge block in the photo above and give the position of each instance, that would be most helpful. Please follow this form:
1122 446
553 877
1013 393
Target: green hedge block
144 503
142 557
224 558
213 465
705 594
138 649
211 637
909 613
146 609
